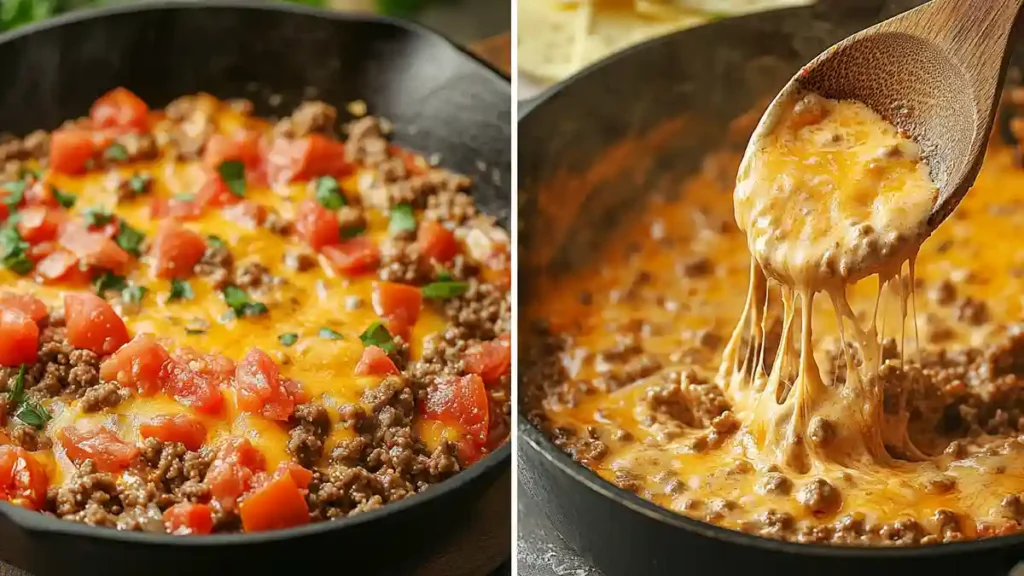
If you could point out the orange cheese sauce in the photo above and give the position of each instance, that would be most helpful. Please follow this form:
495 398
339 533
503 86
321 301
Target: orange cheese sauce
676 280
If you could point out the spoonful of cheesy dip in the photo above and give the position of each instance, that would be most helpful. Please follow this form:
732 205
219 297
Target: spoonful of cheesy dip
828 194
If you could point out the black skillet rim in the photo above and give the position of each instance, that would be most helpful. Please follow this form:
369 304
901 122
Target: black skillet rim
36 522
541 444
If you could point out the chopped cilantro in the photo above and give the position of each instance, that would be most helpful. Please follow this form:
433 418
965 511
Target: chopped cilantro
181 290
328 193
12 251
16 393
109 281
116 153
232 172
139 183
34 415
129 239
288 339
215 241
65 199
134 294
444 289
377 335
403 219
95 217
329 334
15 193
349 233
240 303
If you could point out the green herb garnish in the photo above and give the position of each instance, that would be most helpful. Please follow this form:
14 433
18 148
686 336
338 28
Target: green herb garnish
444 289
288 339
329 334
403 219
139 183
15 193
12 251
181 290
215 241
240 303
95 217
116 153
32 414
328 193
349 233
129 239
184 197
134 294
377 335
109 281
232 172
65 199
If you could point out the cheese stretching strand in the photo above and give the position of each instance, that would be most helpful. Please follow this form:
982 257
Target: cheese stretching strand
828 196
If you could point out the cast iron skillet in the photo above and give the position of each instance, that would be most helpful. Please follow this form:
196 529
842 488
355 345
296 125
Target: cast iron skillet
589 149
440 99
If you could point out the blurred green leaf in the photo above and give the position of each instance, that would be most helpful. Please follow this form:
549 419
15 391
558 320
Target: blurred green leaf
14 13
401 8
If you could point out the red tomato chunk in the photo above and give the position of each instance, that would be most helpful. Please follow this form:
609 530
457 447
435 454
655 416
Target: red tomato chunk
462 401
183 428
375 362
138 364
233 470
188 518
110 453
176 250
23 479
19 338
120 108
92 324
261 388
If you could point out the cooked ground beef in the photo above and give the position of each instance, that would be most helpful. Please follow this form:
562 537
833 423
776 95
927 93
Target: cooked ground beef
366 141
310 117
385 462
418 189
450 205
310 426
299 259
29 438
277 224
254 276
400 262
351 220
134 186
483 312
216 265
61 369
105 395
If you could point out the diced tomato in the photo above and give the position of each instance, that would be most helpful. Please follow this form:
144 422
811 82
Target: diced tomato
317 225
93 248
233 469
277 504
436 242
218 368
110 453
71 150
246 213
353 257
192 387
183 428
187 518
215 192
489 360
375 362
243 146
398 302
19 338
39 223
138 364
61 266
260 387
23 479
40 193
302 159
120 108
92 324
462 401
301 476
176 208
26 303
412 163
176 250
469 450
37 252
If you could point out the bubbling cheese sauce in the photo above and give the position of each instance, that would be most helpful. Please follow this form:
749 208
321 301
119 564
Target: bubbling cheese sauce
830 194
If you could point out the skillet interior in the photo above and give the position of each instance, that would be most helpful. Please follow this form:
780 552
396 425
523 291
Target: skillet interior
589 149
440 99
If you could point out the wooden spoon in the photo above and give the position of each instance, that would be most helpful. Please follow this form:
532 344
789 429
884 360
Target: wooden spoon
934 72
